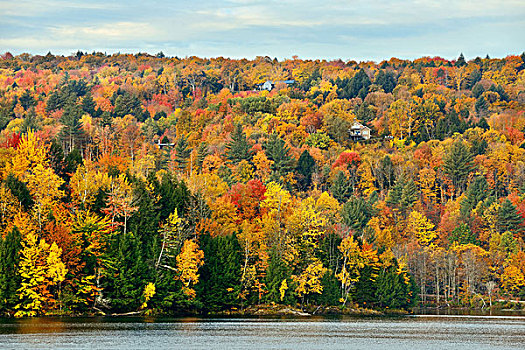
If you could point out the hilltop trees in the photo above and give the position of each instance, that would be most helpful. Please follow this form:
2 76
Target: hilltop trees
140 183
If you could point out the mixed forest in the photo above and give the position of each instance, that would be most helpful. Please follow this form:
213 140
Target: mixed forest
169 185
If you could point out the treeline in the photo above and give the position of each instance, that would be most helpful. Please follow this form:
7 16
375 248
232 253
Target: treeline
155 184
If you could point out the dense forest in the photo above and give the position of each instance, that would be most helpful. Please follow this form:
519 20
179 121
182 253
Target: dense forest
171 185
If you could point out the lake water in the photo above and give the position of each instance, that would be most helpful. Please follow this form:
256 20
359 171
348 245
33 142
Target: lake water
433 332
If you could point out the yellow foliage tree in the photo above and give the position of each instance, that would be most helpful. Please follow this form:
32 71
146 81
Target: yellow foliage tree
262 166
421 228
41 268
149 292
188 262
513 277
309 281
30 165
85 184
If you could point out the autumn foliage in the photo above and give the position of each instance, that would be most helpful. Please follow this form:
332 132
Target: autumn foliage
169 185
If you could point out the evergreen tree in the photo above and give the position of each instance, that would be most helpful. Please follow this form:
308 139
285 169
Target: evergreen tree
9 276
458 163
219 283
26 100
304 170
182 153
72 128
365 288
106 119
462 235
331 291
478 146
238 149
71 162
474 78
277 272
356 213
395 290
409 195
393 198
477 191
20 191
385 173
508 218
88 105
386 80
277 150
359 85
126 280
225 173
482 106
145 220
500 91
460 62
341 188
173 195
202 152
478 90
403 195
126 103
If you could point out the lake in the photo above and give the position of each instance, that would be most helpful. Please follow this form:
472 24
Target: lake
421 332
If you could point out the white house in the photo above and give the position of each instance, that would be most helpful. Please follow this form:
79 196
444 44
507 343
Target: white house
359 131
269 85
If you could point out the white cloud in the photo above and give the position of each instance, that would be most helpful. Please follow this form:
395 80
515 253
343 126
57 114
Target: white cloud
331 28
109 31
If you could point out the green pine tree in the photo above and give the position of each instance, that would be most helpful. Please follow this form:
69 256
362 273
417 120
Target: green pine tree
10 247
477 191
482 106
278 271
182 153
304 170
356 213
88 105
460 62
508 218
462 235
71 132
277 150
393 291
20 191
341 187
385 173
202 152
393 198
238 149
458 163
219 283
127 273
409 195
331 291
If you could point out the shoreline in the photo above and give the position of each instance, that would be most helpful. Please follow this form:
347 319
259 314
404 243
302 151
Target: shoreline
283 311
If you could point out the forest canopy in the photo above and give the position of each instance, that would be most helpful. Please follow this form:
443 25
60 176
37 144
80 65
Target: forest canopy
173 185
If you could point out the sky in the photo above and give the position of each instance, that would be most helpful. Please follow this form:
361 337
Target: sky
325 29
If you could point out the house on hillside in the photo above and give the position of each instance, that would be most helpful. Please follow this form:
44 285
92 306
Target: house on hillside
269 85
164 143
359 131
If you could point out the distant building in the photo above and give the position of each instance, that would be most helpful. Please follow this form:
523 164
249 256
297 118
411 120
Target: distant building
359 131
269 85
160 145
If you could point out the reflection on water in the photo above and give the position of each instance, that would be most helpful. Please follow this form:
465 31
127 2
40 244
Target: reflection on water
306 333
469 312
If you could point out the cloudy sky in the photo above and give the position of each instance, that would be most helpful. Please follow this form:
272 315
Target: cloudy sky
331 29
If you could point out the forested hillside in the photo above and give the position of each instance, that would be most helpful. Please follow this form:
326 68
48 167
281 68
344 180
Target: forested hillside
169 185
